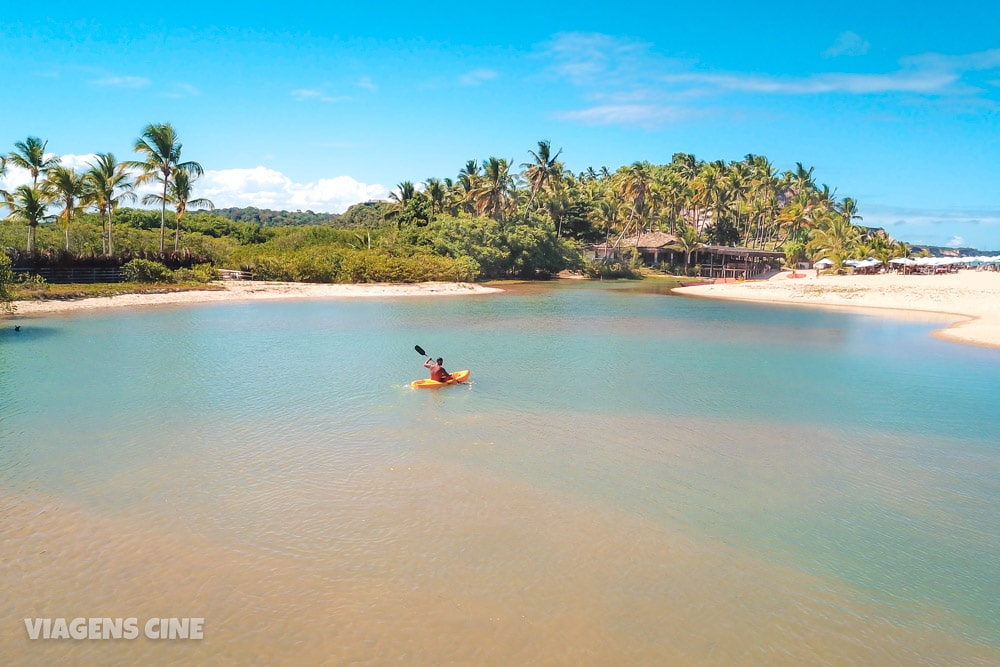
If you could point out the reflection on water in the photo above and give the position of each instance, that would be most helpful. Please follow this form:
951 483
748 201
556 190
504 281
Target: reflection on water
630 477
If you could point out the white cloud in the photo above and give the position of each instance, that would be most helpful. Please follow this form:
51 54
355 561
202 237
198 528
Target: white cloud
266 188
609 69
182 90
978 228
367 83
595 59
16 177
123 82
307 94
477 77
643 115
260 187
924 82
847 44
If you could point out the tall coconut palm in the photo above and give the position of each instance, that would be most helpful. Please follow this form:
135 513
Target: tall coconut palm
28 203
436 191
468 180
608 211
541 172
496 189
30 156
403 193
110 185
69 189
801 179
558 206
3 172
849 209
179 195
161 147
635 187
764 188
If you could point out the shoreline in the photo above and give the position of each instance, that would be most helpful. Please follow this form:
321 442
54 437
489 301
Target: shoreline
249 290
969 301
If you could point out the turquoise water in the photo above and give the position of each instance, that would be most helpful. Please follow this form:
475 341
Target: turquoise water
781 485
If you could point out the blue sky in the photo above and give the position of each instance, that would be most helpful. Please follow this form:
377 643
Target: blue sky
306 107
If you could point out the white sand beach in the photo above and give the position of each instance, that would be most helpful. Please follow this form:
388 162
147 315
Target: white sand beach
248 290
968 300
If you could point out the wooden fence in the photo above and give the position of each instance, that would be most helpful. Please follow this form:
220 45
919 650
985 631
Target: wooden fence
103 274
75 274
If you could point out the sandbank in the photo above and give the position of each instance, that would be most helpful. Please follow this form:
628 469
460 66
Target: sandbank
252 290
968 300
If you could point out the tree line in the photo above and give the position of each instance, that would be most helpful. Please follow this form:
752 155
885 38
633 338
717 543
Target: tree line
104 187
492 220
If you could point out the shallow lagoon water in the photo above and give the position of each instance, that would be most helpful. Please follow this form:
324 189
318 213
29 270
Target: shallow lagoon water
630 476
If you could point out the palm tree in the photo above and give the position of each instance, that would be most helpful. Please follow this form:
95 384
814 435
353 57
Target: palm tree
834 237
30 156
162 149
635 187
542 172
849 209
688 241
496 189
558 206
69 189
801 180
3 171
179 195
28 203
764 189
110 185
436 192
468 180
404 192
901 249
608 209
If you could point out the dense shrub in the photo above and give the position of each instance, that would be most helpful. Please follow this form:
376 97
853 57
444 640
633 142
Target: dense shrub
6 280
199 273
609 269
348 265
270 268
146 271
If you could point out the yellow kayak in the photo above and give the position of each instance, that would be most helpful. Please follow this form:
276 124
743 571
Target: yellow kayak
456 377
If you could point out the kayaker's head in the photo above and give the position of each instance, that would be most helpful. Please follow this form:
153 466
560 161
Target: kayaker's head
440 361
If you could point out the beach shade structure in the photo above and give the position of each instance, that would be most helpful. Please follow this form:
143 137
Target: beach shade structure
903 261
823 264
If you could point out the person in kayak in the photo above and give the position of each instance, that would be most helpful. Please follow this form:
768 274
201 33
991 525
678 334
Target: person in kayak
438 373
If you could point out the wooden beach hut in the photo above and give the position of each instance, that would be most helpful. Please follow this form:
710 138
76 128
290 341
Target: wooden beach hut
718 261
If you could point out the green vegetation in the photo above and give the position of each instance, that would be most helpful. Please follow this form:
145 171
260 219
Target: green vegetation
490 222
6 283
42 291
